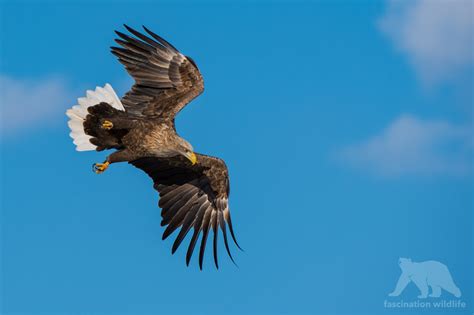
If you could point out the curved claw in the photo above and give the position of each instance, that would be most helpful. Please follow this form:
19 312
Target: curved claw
99 168
107 125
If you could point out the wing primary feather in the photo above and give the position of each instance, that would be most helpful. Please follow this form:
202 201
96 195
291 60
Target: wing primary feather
174 209
187 224
125 53
215 230
176 202
192 244
205 233
144 38
160 39
197 230
224 234
132 48
178 218
170 198
229 222
135 42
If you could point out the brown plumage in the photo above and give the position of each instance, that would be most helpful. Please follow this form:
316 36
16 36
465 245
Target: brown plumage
192 196
193 188
165 80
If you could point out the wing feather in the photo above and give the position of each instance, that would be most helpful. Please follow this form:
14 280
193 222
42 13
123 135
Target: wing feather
175 205
216 233
165 79
205 232
176 221
197 230
192 197
224 234
187 224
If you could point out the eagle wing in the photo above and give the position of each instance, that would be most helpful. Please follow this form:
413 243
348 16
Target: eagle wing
192 196
165 79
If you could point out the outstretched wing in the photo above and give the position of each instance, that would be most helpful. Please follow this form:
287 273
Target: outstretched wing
165 79
192 196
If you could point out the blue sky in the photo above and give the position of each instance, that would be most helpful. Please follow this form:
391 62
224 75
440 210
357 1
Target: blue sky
347 130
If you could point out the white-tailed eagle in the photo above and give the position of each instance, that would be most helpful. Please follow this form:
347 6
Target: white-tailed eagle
193 188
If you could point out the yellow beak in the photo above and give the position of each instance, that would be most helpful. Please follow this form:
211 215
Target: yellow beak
192 157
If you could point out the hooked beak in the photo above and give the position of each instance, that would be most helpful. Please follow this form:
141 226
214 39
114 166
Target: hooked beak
192 157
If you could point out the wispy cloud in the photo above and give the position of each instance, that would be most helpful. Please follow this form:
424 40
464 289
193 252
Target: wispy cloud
411 146
436 36
26 104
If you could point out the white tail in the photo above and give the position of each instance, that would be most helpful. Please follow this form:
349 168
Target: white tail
78 113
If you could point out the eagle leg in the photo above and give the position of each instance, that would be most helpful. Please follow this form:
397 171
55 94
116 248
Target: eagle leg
123 155
118 156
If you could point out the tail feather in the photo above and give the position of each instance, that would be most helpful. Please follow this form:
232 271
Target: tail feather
78 114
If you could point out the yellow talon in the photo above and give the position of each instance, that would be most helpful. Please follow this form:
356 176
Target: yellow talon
99 168
107 125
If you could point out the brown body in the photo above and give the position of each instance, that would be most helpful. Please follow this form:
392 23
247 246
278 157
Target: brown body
150 138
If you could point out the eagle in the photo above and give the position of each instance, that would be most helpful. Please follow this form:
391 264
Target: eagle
193 188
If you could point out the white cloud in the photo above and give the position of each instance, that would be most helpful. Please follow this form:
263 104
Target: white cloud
25 104
413 146
436 35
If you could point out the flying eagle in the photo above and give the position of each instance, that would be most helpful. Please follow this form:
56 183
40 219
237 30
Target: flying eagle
193 187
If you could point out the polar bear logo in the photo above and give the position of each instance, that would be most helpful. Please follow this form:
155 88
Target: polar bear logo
423 274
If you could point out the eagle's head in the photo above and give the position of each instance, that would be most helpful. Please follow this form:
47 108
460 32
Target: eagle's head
185 149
